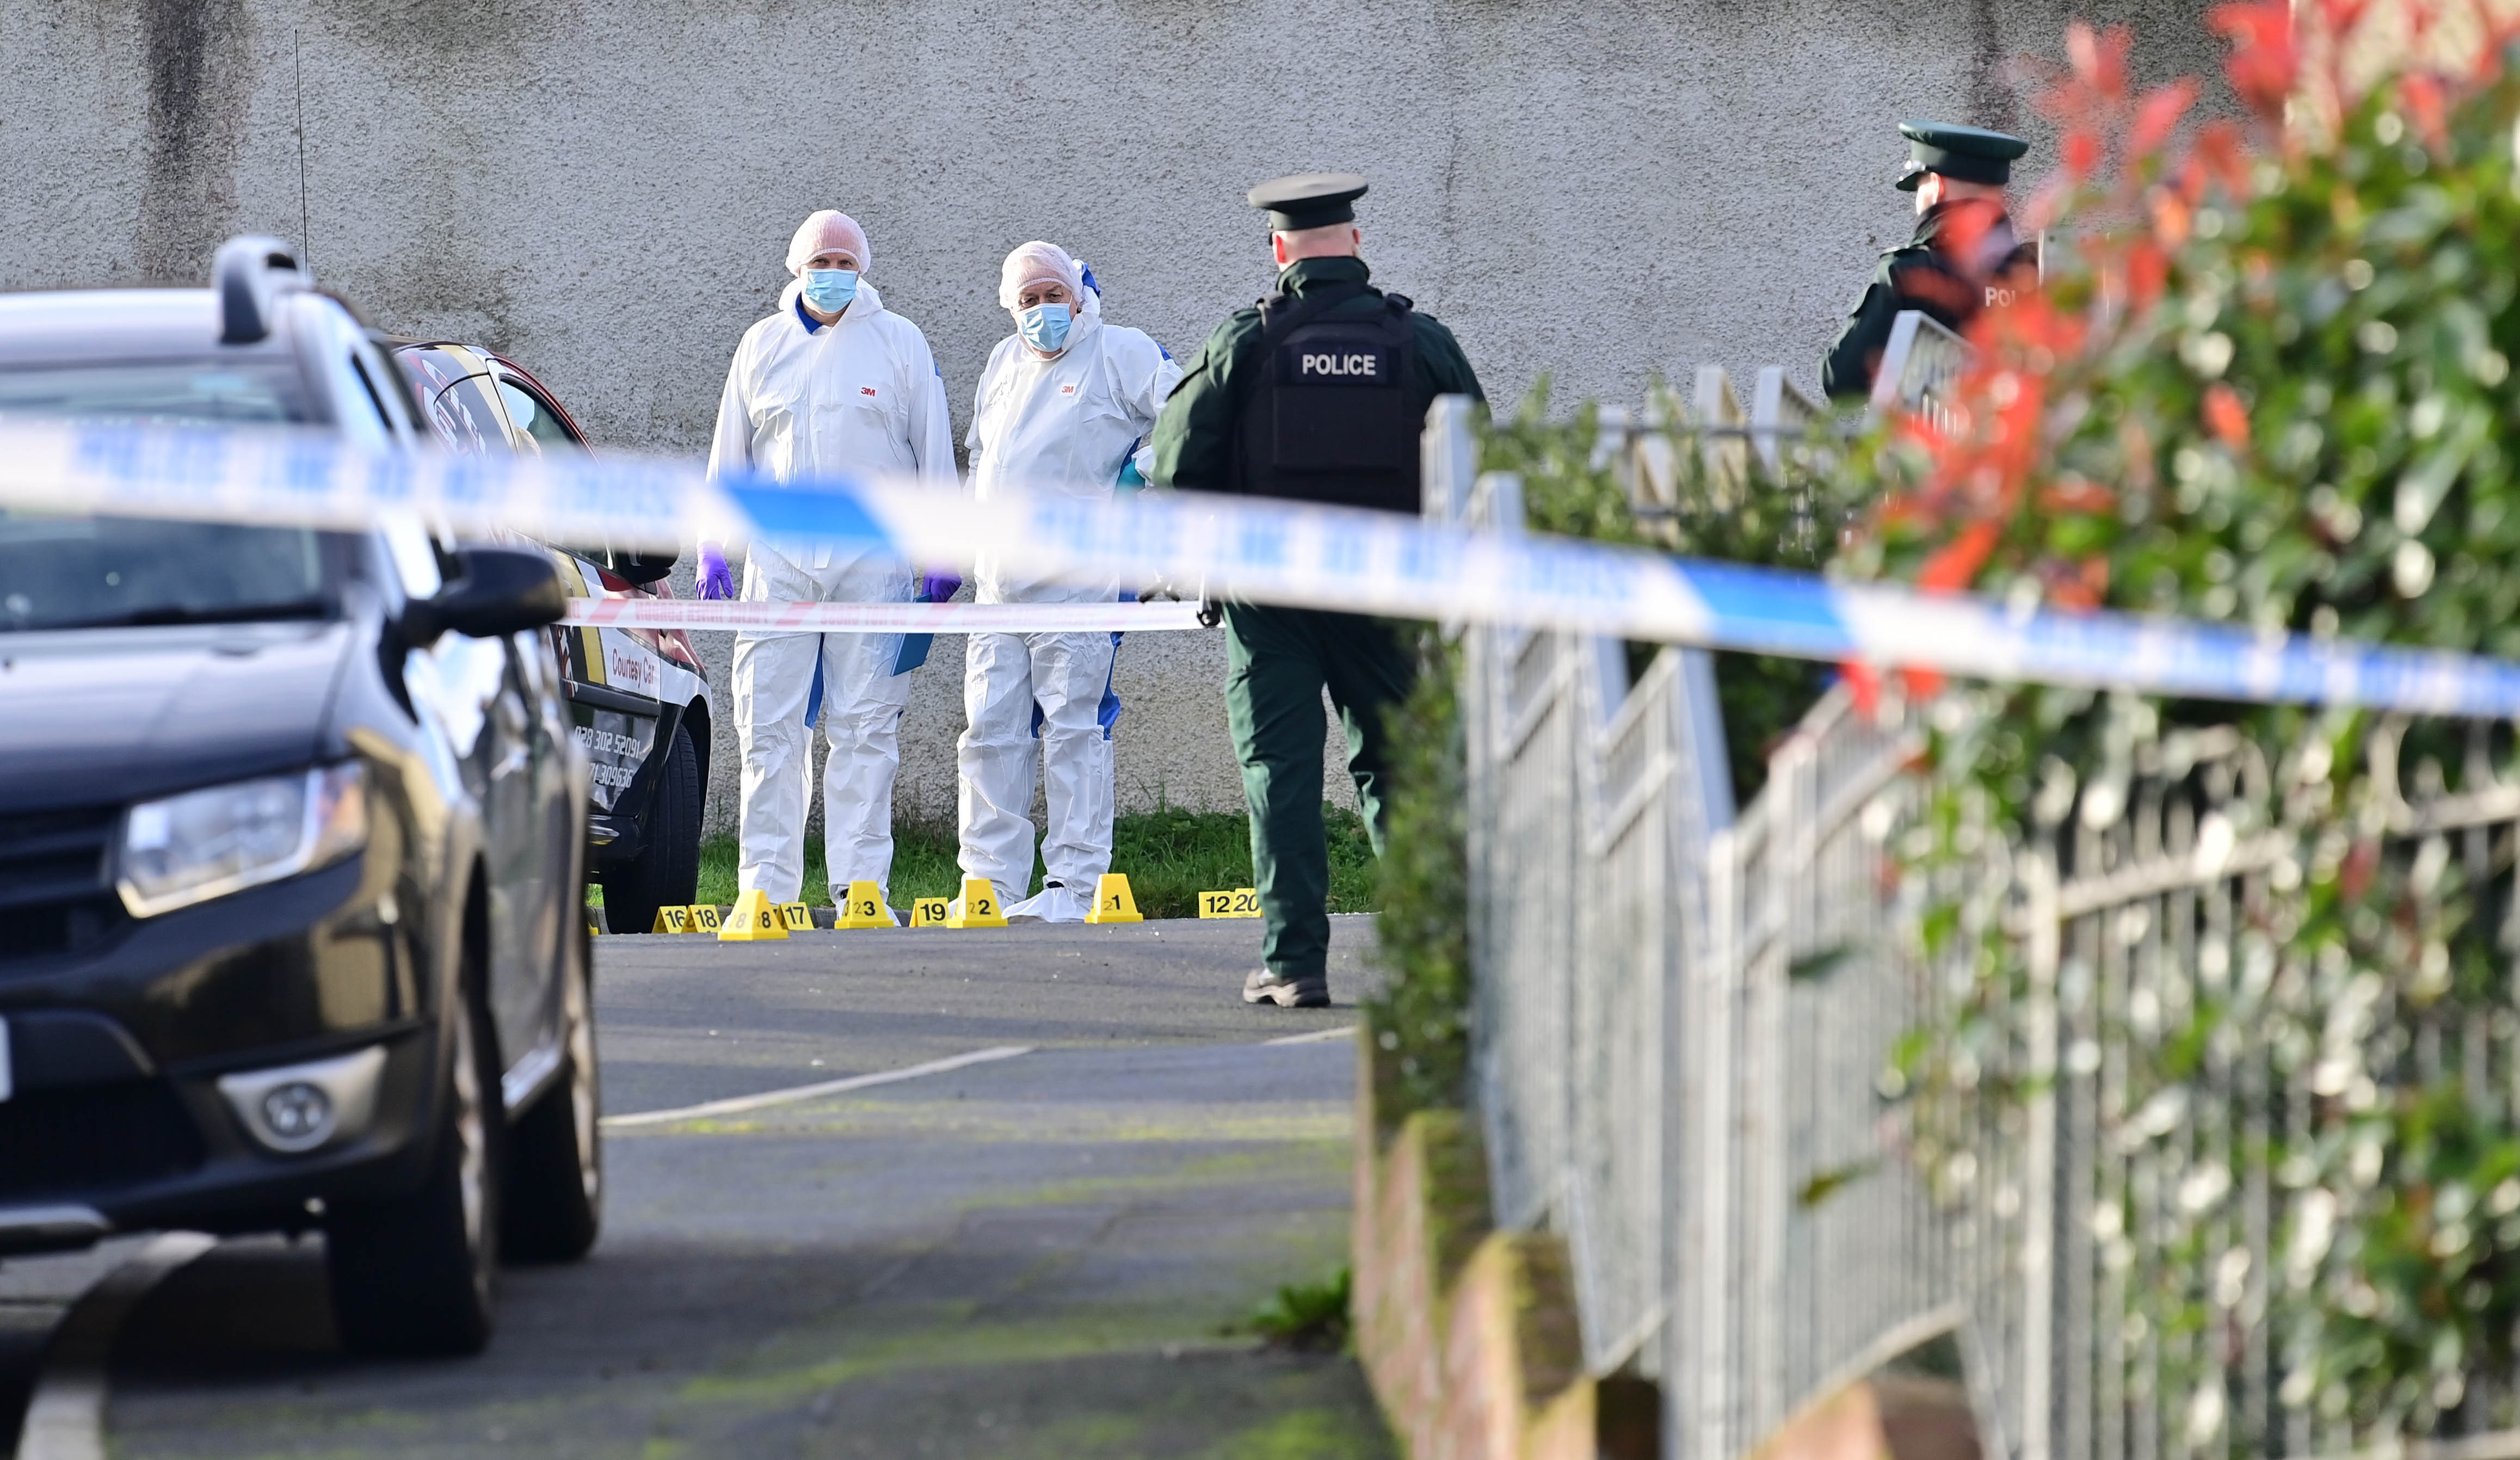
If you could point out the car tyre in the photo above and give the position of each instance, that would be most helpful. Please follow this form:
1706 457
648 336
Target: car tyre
555 1192
418 1275
667 871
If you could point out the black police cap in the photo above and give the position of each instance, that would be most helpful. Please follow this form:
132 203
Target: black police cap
1969 154
1308 200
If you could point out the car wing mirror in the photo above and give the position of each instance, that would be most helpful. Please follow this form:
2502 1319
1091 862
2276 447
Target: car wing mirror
495 591
642 568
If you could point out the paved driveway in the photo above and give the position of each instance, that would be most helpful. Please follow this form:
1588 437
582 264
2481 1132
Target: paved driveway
1041 1255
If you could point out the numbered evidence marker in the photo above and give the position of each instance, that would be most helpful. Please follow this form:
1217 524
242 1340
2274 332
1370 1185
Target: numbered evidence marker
864 907
755 918
980 906
1241 902
797 916
1114 903
672 920
928 912
705 917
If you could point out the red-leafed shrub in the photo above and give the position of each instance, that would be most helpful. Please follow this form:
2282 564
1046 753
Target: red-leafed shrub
2269 383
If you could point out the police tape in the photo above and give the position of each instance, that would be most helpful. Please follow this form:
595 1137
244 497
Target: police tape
1250 549
745 616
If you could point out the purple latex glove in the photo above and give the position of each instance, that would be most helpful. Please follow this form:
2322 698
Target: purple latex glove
714 580
938 587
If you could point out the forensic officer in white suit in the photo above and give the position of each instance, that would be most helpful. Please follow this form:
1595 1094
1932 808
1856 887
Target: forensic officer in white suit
1062 409
831 385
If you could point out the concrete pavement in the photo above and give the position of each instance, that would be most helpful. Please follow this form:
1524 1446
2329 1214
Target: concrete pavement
1035 1256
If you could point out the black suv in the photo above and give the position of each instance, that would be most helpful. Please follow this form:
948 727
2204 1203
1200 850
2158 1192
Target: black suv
293 831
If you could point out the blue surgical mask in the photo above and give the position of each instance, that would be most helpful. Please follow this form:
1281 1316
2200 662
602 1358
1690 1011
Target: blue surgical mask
1043 326
831 290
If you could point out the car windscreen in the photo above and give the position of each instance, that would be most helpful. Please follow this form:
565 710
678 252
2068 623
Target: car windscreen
174 393
71 572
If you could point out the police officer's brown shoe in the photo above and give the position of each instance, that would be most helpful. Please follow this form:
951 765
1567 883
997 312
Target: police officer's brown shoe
1266 988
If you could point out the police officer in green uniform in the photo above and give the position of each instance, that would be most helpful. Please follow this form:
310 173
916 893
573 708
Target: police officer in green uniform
1318 393
1964 257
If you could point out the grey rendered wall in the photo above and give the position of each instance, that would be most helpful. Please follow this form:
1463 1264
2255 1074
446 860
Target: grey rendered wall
1593 190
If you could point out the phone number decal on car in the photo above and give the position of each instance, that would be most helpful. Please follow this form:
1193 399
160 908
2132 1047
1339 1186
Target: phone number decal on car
609 742
616 744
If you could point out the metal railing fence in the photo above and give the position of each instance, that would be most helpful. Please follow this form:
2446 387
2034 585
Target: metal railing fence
1819 1256
1918 364
2197 1051
1686 1022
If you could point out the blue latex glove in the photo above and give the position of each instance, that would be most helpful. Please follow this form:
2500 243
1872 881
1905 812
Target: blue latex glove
938 587
1131 478
714 580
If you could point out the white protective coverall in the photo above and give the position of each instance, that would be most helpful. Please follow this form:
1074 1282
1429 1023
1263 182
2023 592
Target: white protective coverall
860 394
1062 424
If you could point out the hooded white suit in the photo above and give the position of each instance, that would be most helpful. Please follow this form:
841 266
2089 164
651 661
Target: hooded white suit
861 394
1061 426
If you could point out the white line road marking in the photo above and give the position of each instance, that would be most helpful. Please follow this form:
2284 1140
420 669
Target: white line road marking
742 1102
66 1417
1317 1037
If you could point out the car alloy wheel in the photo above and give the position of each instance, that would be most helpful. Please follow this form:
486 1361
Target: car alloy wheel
417 1273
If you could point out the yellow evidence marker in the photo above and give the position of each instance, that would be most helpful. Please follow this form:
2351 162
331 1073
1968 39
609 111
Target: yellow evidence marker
928 912
797 916
756 919
672 920
1114 903
865 907
1241 902
979 906
705 917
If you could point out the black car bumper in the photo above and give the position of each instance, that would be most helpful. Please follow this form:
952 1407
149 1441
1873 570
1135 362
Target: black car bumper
116 1116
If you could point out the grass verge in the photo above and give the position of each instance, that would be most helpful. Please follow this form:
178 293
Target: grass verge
1170 856
1307 1316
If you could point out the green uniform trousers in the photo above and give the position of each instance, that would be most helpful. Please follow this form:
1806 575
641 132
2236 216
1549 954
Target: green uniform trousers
1278 662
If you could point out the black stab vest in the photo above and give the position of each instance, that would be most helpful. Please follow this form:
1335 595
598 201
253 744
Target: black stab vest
1325 413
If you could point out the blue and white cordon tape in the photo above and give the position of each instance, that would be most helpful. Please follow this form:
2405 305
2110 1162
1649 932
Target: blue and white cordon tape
1240 548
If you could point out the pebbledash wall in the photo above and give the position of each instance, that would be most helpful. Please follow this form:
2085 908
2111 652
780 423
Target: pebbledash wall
1594 191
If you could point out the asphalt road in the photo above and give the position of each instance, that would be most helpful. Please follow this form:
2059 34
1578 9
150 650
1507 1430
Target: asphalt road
1044 1255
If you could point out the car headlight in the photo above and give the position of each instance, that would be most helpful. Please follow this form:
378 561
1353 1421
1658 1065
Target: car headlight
207 844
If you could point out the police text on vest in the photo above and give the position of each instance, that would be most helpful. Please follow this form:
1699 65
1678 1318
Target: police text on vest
1362 363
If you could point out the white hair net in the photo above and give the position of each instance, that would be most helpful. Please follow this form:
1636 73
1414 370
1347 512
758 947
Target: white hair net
1038 263
827 229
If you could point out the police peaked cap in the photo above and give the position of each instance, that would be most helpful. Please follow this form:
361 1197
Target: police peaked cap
1969 154
1308 200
